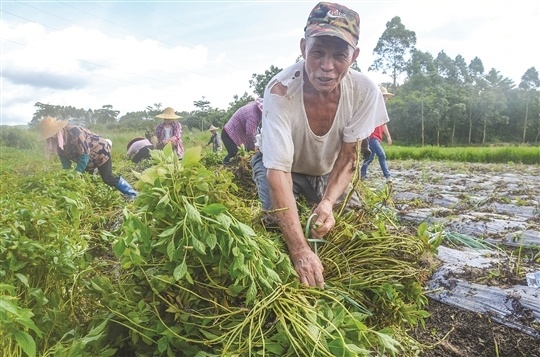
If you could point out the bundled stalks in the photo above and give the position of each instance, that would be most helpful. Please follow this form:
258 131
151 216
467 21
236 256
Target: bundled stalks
197 281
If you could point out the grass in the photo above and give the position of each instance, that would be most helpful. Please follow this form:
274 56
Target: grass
505 154
493 154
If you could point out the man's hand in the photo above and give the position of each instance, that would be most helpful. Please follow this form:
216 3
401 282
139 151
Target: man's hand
309 268
324 220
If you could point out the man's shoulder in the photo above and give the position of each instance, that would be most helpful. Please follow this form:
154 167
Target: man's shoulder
359 84
360 79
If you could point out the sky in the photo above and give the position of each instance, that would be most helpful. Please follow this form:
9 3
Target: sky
134 54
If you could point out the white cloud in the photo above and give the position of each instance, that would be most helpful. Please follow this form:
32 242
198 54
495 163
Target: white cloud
87 54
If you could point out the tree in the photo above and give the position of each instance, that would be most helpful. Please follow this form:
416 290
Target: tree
238 102
42 111
392 48
494 101
259 81
203 109
106 115
151 112
528 85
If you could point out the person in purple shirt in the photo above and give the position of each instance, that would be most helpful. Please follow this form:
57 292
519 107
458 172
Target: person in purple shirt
170 131
241 129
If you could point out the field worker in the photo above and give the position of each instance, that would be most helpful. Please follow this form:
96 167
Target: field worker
169 131
80 145
215 139
139 149
375 145
315 113
241 129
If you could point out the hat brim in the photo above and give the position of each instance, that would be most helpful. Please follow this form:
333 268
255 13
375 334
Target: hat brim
388 94
52 129
168 116
316 30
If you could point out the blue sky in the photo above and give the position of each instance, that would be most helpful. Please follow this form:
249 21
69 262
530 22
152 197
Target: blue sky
133 54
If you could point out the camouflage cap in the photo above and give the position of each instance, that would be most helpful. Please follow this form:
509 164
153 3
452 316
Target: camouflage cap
329 19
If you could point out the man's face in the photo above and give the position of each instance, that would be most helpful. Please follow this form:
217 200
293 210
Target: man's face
327 61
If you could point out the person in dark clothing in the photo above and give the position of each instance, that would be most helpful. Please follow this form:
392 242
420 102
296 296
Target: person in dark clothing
139 149
80 145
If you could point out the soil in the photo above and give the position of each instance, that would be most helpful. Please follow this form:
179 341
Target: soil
498 203
453 332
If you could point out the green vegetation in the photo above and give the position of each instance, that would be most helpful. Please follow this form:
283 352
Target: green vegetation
187 267
491 154
524 154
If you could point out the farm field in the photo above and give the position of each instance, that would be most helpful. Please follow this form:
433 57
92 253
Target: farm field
496 202
499 203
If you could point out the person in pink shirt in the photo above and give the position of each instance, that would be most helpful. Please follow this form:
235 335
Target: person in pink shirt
170 131
241 129
139 149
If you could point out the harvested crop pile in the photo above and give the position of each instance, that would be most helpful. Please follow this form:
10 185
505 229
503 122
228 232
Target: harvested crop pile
197 280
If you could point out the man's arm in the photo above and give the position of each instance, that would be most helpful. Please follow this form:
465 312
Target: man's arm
386 132
306 263
339 179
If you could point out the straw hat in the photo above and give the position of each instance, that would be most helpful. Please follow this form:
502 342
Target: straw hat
168 113
385 92
212 128
49 126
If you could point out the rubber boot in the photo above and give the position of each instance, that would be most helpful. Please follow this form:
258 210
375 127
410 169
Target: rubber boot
124 187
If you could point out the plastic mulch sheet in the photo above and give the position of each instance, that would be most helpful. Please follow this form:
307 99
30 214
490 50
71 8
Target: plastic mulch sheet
516 306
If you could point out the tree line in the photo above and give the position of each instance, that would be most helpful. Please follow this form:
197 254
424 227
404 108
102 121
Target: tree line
439 100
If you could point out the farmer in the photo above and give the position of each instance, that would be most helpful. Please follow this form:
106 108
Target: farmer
80 145
215 139
315 113
169 131
139 149
241 129
375 145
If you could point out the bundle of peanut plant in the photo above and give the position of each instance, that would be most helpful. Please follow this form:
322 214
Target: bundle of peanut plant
196 280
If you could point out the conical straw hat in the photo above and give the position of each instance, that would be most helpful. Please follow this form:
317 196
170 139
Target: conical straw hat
49 126
168 113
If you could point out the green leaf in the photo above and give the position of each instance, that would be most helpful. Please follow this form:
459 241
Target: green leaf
225 220
211 240
163 344
22 278
191 156
214 209
387 341
95 333
167 150
168 232
180 271
244 230
198 245
96 286
25 342
251 292
150 175
9 307
170 250
119 248
272 275
192 213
